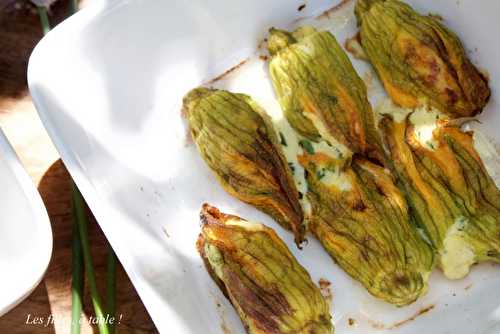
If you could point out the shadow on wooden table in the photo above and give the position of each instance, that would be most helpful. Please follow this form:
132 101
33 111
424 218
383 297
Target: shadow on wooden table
52 296
27 320
20 31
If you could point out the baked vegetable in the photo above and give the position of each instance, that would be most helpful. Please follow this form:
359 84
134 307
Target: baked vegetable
270 290
362 220
451 194
419 60
318 88
239 144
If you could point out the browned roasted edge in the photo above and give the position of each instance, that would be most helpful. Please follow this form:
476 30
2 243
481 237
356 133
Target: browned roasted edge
209 214
413 317
326 14
227 72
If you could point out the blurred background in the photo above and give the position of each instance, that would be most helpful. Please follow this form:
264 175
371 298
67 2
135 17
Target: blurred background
20 31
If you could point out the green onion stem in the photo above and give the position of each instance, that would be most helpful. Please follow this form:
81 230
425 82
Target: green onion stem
87 258
77 276
73 6
111 287
44 19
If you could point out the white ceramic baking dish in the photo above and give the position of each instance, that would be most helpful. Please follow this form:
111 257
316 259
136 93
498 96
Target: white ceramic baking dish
108 84
25 231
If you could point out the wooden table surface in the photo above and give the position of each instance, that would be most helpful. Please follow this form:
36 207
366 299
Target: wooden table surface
19 33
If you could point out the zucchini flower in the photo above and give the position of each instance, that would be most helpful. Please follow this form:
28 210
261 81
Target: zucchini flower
452 196
238 142
319 90
253 267
362 220
419 60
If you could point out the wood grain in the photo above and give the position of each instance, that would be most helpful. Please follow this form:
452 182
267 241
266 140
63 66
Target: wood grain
19 33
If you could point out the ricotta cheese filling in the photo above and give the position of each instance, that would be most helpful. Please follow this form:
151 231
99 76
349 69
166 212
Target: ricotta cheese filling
291 148
456 256
328 145
424 120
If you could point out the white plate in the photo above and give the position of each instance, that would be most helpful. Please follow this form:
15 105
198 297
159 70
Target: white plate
108 85
25 231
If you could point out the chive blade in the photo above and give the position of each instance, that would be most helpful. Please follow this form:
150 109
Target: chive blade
87 259
44 19
111 287
76 276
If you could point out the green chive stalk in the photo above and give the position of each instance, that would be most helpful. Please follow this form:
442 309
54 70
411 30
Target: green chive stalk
77 276
111 287
73 6
44 19
87 258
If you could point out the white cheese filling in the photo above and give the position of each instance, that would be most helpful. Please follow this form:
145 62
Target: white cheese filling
424 120
292 149
328 145
456 256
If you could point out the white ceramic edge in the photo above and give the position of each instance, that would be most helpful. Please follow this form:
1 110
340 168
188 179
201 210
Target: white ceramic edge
39 210
40 52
